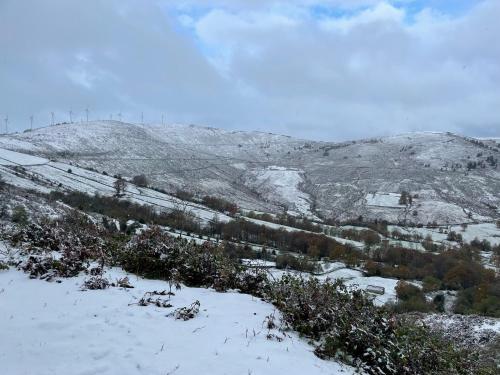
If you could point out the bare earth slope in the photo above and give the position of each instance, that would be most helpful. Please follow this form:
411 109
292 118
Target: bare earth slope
452 179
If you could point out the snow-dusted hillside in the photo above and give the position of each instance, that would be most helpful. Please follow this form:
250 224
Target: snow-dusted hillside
42 175
452 179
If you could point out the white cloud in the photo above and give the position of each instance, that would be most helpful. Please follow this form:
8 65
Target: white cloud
382 13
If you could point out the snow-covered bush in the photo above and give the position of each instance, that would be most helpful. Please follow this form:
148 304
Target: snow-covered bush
60 248
96 282
48 268
155 254
187 312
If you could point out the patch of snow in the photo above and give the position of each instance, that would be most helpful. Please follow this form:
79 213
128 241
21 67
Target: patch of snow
13 158
284 183
383 200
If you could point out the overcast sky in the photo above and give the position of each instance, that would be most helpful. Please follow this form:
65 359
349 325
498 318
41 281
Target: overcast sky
319 69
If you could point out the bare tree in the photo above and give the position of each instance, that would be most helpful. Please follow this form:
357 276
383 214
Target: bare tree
120 184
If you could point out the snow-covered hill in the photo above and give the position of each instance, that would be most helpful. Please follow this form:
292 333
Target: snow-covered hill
452 179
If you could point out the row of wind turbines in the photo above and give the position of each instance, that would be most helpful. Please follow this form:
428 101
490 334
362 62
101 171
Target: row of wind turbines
71 117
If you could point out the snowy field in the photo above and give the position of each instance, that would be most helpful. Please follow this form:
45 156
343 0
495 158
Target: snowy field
15 158
57 329
383 200
482 231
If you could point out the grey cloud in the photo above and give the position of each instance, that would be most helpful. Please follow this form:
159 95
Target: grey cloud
244 67
110 55
375 77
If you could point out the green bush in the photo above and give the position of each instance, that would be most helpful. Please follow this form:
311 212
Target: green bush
483 299
431 284
19 215
410 298
438 302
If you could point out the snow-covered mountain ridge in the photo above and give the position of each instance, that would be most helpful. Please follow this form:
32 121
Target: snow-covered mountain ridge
452 179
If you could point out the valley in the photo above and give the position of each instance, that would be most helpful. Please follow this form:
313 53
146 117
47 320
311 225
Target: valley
412 239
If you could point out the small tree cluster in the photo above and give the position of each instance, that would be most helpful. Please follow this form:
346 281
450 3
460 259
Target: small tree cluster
298 263
405 198
454 236
220 204
410 298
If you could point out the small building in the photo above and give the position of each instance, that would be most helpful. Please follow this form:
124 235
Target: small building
375 289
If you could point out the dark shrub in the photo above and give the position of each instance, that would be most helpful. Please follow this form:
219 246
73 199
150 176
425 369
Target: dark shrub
140 180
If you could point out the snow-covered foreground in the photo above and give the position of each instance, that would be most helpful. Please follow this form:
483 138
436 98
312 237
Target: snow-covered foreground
51 328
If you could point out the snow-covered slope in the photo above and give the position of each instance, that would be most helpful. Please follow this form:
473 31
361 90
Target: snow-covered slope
453 179
58 329
43 175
